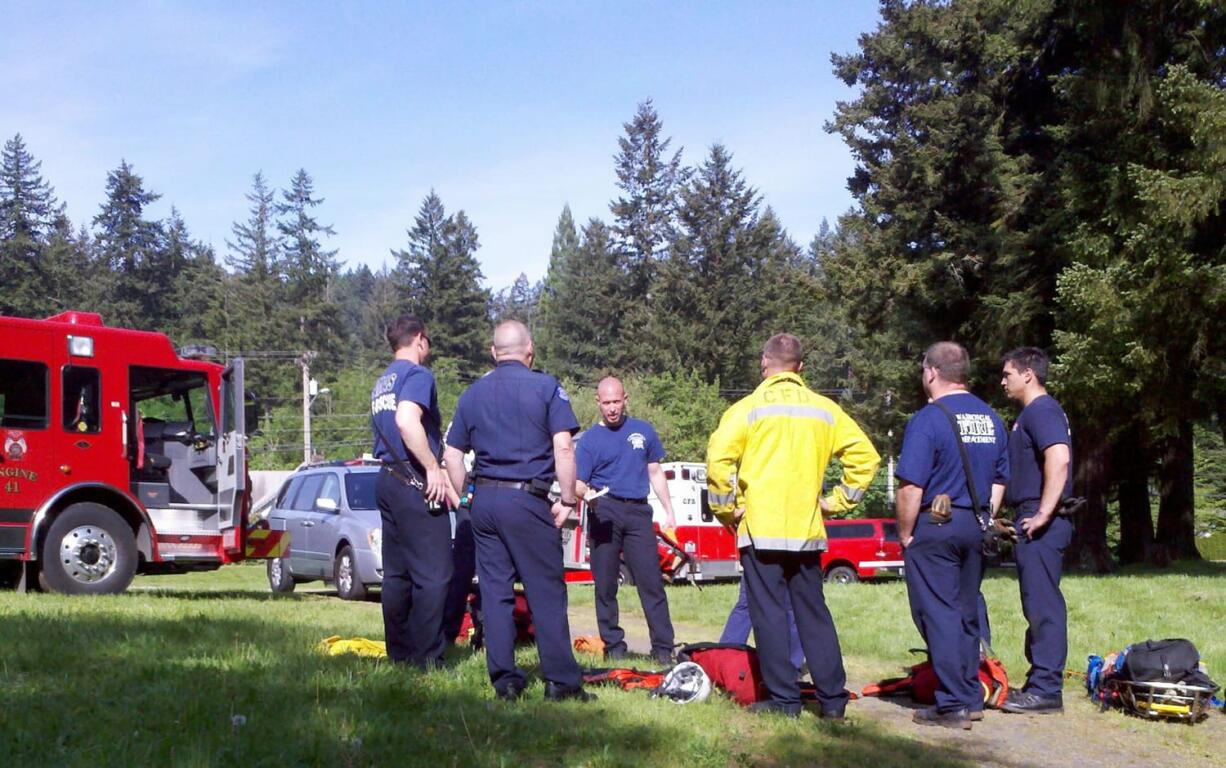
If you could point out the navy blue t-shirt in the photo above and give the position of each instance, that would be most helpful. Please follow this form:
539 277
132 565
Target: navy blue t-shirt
404 381
617 457
930 456
508 419
1039 426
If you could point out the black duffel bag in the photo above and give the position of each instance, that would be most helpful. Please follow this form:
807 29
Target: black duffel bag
1165 661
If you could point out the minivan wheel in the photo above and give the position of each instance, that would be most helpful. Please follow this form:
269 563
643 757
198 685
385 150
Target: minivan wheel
842 574
345 575
280 579
89 550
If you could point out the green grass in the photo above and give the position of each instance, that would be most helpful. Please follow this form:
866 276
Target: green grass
210 669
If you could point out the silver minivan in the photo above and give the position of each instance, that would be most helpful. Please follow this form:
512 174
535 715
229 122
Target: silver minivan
335 530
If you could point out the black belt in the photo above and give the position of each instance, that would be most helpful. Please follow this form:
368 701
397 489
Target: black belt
624 500
515 485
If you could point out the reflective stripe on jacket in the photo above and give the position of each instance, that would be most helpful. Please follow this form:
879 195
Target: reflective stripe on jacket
775 445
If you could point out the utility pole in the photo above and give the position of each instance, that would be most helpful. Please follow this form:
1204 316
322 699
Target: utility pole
305 362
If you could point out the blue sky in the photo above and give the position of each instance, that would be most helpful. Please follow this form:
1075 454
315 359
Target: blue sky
509 110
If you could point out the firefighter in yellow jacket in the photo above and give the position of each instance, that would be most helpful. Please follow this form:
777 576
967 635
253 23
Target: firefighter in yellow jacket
765 465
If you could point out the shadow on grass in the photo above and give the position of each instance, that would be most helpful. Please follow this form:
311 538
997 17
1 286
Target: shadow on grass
114 689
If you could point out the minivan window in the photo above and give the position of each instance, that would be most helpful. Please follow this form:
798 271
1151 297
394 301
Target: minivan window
23 395
331 490
308 492
287 492
850 531
360 488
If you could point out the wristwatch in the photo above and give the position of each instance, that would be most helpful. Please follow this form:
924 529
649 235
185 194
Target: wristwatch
571 504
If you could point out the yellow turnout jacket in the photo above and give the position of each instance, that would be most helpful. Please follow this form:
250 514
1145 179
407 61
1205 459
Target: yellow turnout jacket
774 445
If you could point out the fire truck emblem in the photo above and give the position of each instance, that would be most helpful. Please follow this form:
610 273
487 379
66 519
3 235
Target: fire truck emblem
637 441
15 445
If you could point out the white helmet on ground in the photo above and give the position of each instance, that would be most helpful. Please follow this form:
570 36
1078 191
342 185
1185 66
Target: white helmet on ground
684 684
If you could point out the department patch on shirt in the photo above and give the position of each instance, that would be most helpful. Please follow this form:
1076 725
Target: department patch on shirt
637 440
561 393
976 428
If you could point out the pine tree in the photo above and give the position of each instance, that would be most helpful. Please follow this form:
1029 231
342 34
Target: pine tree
65 271
644 222
312 315
704 311
520 301
562 256
28 213
582 321
126 247
441 280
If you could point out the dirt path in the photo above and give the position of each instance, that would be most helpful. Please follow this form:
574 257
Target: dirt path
1082 737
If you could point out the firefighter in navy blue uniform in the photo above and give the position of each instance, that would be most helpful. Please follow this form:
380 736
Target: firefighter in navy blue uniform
519 424
411 489
944 560
623 454
1040 457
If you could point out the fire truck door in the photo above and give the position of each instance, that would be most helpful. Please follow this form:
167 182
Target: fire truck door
27 444
231 448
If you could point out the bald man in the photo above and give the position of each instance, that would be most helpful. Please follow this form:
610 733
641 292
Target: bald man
623 454
518 422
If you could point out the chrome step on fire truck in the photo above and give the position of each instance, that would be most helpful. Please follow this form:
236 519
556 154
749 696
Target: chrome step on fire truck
119 456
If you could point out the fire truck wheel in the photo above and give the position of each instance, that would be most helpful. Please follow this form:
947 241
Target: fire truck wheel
89 550
345 576
279 577
624 579
842 574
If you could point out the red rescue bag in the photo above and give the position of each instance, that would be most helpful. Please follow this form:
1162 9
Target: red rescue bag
922 683
733 668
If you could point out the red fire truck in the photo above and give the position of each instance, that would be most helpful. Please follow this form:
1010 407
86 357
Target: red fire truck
119 456
701 549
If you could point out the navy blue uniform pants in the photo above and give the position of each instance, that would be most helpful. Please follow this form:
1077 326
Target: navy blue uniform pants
620 530
416 572
771 577
464 565
1040 562
944 567
736 628
514 535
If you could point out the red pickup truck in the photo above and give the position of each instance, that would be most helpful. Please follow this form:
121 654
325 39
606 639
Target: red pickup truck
861 549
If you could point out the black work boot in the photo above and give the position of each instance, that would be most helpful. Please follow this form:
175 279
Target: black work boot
770 706
1027 703
511 691
957 718
559 692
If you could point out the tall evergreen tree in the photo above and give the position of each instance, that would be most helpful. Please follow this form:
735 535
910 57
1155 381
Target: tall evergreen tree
65 271
519 301
28 213
126 249
550 340
384 305
579 321
705 305
1143 302
644 220
310 271
441 281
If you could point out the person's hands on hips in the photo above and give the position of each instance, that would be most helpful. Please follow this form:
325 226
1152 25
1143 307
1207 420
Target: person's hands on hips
1031 526
560 513
436 484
